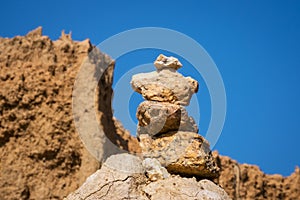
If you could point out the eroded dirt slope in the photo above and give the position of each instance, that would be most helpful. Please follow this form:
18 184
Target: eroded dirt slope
41 154
244 181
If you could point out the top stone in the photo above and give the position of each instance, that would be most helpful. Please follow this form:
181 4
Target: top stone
163 62
165 84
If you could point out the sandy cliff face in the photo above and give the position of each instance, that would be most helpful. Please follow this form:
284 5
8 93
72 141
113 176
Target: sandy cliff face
41 155
243 181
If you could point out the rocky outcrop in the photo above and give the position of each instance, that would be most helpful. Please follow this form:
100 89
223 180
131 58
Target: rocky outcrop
244 181
165 151
41 155
128 181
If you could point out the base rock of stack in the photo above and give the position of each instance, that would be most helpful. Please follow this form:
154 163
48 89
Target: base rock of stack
115 181
161 117
183 153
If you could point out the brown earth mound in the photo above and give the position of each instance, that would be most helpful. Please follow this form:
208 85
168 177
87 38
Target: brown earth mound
243 181
41 155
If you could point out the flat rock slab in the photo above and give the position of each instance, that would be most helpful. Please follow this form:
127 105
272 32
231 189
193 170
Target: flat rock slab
160 117
184 153
165 85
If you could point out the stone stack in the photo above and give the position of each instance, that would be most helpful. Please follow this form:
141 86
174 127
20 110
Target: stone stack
165 130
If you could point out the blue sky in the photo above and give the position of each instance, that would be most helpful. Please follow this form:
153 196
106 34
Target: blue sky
255 45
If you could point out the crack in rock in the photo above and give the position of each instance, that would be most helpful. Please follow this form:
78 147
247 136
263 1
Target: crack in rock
109 184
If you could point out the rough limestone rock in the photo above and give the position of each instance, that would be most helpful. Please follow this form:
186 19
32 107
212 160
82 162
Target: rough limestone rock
244 181
118 178
125 183
178 188
154 170
165 85
161 117
184 153
126 163
163 62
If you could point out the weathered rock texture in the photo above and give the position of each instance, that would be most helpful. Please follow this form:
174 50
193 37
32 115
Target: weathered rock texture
165 85
163 62
124 183
154 170
244 181
156 118
41 155
184 153
165 130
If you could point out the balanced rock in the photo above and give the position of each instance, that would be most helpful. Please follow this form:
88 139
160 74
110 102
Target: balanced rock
163 62
184 153
165 85
161 117
165 130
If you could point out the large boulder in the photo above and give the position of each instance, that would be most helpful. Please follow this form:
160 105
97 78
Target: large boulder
128 181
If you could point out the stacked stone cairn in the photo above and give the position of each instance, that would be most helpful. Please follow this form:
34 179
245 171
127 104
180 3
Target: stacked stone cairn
165 131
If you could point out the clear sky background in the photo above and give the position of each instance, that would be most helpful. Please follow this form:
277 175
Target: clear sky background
255 44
